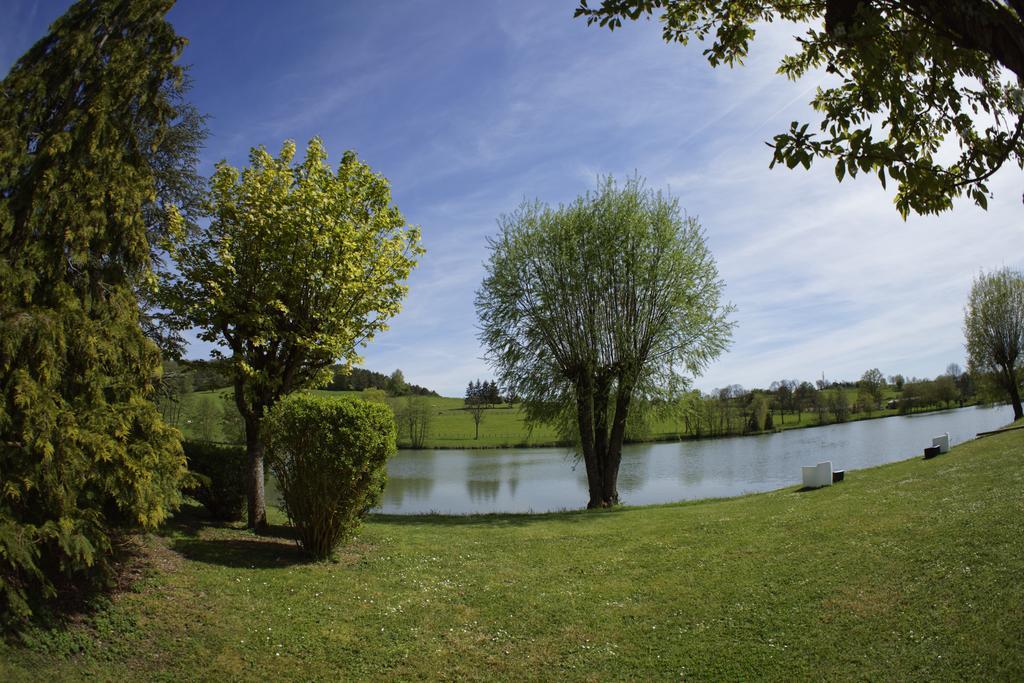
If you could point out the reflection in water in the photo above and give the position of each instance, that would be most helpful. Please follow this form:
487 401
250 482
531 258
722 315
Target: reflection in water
633 468
512 469
546 479
482 490
401 488
691 465
411 479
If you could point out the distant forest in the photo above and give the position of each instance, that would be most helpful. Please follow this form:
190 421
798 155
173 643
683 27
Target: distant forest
203 375
360 378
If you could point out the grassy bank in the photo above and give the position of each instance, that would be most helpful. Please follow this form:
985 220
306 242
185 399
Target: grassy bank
910 571
501 426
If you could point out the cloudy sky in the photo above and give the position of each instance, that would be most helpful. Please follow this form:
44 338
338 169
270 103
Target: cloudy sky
470 106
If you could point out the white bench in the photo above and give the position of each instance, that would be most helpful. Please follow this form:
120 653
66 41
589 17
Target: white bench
816 476
942 441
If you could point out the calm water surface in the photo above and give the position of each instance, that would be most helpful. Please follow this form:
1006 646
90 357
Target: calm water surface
548 479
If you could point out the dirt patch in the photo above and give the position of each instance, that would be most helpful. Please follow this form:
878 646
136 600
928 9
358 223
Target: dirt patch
142 556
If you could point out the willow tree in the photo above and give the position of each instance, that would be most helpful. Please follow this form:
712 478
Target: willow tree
588 306
994 329
299 267
906 79
83 450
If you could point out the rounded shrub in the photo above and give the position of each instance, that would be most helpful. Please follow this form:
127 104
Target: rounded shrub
222 472
329 456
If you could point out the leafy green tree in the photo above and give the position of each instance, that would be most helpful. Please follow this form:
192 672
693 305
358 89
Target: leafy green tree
299 266
758 412
865 402
872 384
397 385
589 305
839 404
374 395
492 395
83 449
994 328
944 389
413 417
914 396
820 405
909 77
784 395
207 375
475 402
965 388
803 398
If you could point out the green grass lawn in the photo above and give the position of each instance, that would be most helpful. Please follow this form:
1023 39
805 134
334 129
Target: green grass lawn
452 426
909 571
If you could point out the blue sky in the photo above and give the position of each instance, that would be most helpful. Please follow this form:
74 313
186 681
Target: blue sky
470 106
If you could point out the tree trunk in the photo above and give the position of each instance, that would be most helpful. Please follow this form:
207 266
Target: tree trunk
609 461
602 387
990 28
1010 377
257 501
585 422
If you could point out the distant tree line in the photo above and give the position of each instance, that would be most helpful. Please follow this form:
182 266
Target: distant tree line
358 379
483 393
205 374
733 410
186 376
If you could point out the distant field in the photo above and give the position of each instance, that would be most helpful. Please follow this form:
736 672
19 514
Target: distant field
194 409
452 425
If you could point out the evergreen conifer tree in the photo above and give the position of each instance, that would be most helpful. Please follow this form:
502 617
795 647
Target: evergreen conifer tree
83 450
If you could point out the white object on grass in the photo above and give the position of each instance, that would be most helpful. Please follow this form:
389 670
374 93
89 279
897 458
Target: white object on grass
816 476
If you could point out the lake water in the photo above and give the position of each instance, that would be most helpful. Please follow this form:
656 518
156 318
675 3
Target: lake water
549 479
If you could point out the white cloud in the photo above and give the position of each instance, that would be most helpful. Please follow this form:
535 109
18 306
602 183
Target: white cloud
826 276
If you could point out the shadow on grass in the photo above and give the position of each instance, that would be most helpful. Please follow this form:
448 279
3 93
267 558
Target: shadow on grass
499 519
241 553
807 489
187 521
194 535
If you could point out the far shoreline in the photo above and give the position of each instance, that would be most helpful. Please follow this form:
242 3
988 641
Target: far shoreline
681 438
